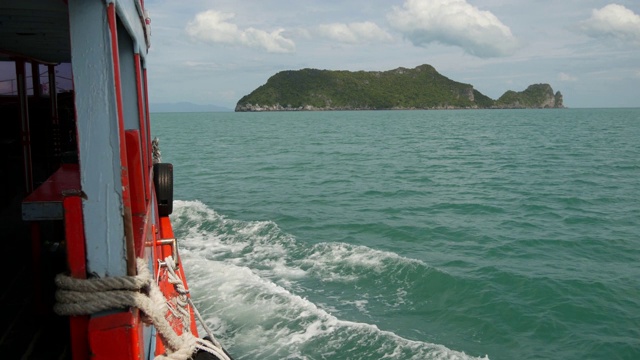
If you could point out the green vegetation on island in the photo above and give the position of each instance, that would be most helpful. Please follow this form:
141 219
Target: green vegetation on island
535 96
419 88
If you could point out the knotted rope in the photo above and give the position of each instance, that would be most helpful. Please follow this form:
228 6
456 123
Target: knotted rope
88 296
182 300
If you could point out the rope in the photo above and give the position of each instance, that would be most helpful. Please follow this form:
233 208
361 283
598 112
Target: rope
182 298
185 301
88 296
155 150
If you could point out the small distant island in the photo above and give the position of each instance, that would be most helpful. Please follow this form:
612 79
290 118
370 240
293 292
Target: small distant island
399 89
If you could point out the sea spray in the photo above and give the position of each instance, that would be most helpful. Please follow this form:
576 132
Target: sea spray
234 281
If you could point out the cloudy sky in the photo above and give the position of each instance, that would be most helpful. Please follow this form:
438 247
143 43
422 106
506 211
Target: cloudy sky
216 51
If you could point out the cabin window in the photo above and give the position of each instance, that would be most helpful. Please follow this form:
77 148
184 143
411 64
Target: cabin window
9 85
51 127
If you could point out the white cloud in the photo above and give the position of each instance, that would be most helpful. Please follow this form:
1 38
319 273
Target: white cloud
353 33
454 22
566 77
613 22
214 26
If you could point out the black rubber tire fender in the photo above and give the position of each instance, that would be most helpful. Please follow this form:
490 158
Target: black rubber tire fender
163 182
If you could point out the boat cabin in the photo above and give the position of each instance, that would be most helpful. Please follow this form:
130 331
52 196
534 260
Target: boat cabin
78 194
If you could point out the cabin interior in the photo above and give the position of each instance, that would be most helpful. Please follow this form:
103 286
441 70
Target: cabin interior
35 249
37 136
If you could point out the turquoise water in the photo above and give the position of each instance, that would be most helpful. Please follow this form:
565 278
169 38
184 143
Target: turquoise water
412 234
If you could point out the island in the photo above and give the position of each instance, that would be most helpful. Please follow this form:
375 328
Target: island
399 89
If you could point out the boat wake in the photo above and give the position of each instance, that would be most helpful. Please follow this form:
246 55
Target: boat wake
265 294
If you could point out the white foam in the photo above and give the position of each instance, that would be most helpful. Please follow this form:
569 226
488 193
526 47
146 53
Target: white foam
270 320
262 246
339 262
258 244
361 305
238 271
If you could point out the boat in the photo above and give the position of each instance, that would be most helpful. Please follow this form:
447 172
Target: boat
89 250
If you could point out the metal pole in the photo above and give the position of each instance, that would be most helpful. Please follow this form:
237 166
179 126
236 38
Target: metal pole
35 79
24 120
53 104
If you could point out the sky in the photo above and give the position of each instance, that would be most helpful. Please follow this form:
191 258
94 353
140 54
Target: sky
213 52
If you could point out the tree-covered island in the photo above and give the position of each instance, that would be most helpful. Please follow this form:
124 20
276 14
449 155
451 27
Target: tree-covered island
419 88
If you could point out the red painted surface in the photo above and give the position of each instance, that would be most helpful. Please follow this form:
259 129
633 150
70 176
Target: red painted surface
76 254
144 249
166 232
124 173
146 99
117 336
65 179
74 232
143 123
136 179
111 15
138 203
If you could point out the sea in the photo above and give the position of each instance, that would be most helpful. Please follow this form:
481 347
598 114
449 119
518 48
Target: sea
453 234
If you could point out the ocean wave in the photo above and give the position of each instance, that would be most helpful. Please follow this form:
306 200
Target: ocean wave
255 318
243 277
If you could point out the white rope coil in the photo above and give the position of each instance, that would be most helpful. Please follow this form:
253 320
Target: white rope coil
88 296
